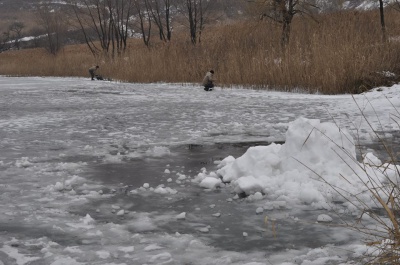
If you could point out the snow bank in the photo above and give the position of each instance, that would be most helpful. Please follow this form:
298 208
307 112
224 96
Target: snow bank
315 158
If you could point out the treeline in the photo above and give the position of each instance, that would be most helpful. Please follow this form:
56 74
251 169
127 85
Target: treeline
265 47
106 25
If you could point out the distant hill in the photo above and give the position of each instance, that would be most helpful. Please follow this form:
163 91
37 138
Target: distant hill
18 11
12 11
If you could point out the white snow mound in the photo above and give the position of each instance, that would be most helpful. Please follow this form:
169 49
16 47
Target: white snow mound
298 171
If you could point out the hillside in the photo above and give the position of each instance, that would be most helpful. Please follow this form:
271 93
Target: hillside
25 12
12 11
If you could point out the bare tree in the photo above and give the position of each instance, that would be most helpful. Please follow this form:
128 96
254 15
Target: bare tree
15 33
382 16
104 21
85 26
5 41
123 10
396 5
12 37
161 15
53 23
197 14
145 21
283 11
167 8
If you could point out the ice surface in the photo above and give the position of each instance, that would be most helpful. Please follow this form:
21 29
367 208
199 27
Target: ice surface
68 145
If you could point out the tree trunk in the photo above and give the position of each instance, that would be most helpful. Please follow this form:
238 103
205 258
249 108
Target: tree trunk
383 26
285 33
287 12
167 4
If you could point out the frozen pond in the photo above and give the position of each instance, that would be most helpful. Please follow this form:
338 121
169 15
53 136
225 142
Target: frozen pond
101 172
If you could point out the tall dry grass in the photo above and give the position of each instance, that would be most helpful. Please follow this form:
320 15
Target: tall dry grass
337 53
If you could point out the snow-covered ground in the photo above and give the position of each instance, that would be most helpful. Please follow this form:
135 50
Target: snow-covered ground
96 172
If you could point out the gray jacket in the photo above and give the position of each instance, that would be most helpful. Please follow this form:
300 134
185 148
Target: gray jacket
208 79
93 69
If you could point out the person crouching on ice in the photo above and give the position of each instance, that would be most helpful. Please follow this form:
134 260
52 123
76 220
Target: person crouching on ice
208 81
92 71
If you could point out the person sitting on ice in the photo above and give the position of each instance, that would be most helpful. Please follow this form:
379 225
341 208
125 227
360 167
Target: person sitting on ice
208 81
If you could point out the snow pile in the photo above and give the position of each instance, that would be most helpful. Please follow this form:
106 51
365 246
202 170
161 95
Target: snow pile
315 158
164 190
158 151
68 184
23 162
160 189
210 182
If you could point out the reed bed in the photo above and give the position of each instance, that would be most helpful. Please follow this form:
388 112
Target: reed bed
330 54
